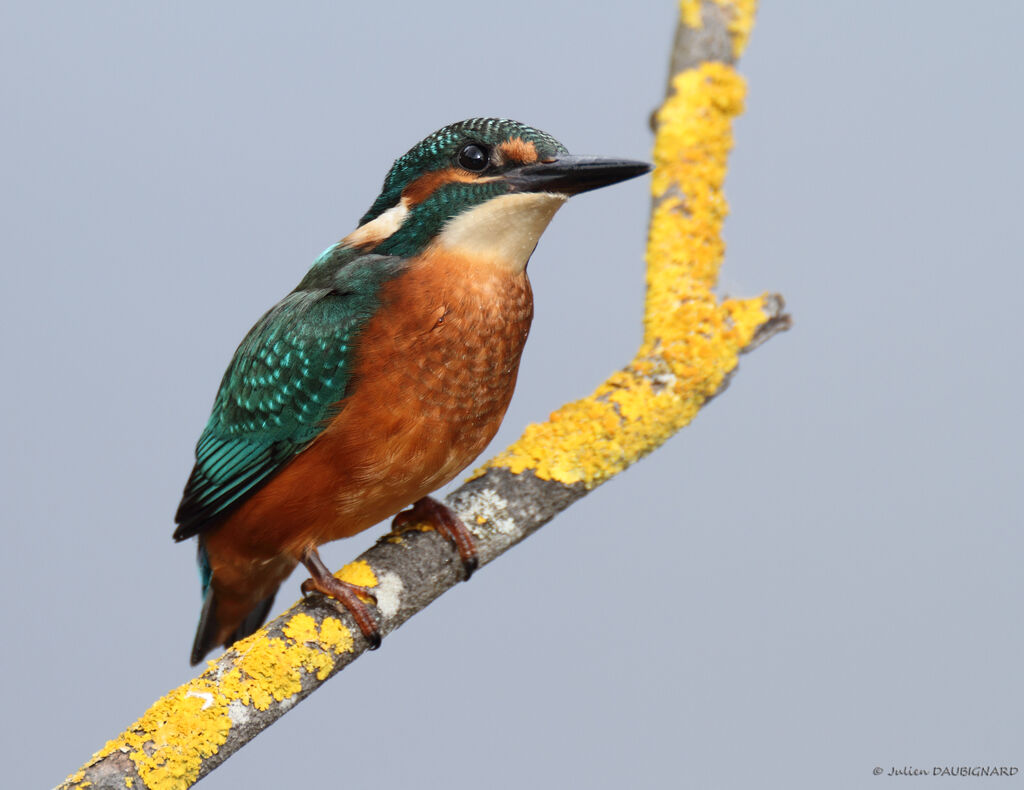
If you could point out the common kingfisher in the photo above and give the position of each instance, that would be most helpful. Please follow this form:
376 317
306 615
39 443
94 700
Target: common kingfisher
381 376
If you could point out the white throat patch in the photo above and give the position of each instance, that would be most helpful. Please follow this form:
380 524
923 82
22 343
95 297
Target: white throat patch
504 230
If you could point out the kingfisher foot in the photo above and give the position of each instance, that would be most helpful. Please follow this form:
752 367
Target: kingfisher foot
323 581
442 518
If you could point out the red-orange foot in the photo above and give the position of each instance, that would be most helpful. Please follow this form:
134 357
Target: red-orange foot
323 581
443 519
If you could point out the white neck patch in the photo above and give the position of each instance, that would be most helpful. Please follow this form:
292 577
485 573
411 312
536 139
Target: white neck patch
504 230
379 228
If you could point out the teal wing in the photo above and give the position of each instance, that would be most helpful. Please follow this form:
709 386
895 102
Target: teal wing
286 380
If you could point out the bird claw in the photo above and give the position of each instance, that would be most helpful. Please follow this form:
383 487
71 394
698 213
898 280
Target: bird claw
347 594
443 519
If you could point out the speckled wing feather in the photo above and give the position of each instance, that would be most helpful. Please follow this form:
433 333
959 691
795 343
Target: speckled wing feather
285 382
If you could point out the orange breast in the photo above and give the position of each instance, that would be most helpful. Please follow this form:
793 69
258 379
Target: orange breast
434 373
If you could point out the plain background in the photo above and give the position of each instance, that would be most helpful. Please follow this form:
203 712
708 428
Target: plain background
820 576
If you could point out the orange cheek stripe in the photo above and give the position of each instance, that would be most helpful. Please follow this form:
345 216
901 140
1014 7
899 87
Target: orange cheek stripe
424 186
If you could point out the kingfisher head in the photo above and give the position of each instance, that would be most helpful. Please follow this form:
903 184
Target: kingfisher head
485 187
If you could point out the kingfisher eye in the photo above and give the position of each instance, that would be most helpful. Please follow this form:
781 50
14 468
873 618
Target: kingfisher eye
474 157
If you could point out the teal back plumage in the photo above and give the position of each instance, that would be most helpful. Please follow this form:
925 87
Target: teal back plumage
284 383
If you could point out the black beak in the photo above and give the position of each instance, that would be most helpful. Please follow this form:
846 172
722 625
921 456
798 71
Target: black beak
571 175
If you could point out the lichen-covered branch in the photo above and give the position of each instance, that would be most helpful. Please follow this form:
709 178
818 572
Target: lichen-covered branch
691 346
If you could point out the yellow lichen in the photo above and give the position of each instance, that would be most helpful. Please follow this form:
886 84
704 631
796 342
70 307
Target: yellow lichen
167 745
359 573
689 10
334 635
691 341
170 741
301 628
739 13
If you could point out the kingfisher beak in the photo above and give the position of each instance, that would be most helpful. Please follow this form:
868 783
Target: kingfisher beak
570 175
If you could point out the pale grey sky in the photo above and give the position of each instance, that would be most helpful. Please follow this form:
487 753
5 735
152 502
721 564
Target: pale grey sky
820 576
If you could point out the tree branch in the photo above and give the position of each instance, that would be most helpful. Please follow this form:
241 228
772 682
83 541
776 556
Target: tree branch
691 347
